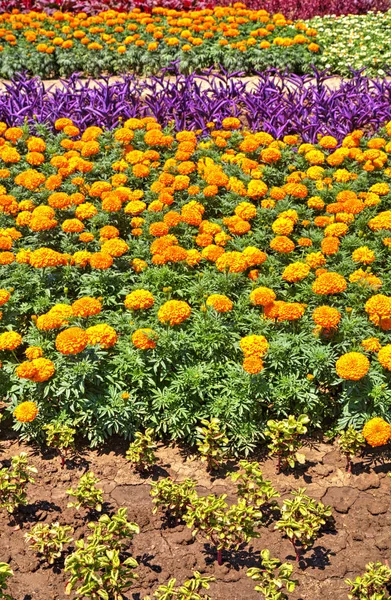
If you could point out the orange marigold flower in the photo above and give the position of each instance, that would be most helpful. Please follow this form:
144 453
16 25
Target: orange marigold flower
86 307
10 340
115 247
282 244
72 226
377 432
233 262
290 311
174 312
231 123
384 357
193 257
139 265
283 226
4 297
246 211
254 345
329 283
254 256
262 296
38 370
108 232
326 317
144 339
253 364
101 260
352 366
34 352
220 303
46 257
139 300
363 255
71 341
101 334
26 412
371 344
6 258
295 272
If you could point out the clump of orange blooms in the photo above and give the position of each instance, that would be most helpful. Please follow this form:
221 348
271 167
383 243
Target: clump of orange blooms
377 432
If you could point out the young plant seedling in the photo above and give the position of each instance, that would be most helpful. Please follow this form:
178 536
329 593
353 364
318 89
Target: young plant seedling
372 585
212 443
98 568
173 498
188 591
226 526
98 572
141 452
301 520
5 573
273 577
285 440
350 442
49 540
115 531
61 437
86 494
253 488
14 481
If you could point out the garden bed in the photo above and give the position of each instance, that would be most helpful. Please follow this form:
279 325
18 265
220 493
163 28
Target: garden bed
360 507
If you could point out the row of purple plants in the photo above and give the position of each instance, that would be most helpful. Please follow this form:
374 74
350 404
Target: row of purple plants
293 9
277 103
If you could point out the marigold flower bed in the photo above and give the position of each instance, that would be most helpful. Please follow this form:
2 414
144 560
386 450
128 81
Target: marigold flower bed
112 42
153 278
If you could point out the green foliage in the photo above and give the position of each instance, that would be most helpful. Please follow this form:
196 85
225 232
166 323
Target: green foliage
226 526
99 568
285 440
14 481
302 518
351 443
86 494
60 436
188 591
141 452
273 577
172 497
373 584
49 540
115 531
5 573
252 487
212 443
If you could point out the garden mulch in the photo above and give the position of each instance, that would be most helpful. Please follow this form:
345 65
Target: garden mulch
361 532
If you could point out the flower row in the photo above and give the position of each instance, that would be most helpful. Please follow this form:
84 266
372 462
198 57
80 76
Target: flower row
152 278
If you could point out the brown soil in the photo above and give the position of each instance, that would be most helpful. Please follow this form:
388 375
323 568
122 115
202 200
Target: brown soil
360 503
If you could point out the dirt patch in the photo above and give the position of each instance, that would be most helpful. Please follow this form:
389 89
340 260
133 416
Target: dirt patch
360 503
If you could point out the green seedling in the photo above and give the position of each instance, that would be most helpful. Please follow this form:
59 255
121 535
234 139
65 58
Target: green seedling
86 494
14 482
212 443
351 443
61 437
141 452
49 540
273 578
372 585
286 441
301 520
173 498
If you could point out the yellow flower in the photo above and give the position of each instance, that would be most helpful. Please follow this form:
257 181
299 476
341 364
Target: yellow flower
26 412
377 432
